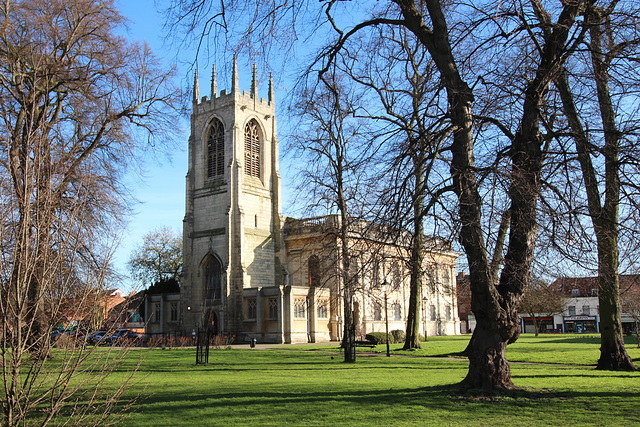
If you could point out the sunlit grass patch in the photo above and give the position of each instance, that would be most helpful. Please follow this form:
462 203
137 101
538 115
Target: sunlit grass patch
293 387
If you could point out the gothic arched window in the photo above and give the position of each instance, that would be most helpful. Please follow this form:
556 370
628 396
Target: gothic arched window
395 275
213 279
215 149
315 273
397 311
252 149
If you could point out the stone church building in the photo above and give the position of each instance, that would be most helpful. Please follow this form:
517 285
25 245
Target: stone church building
251 273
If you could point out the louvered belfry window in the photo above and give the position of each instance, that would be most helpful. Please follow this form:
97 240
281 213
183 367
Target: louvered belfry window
215 149
252 149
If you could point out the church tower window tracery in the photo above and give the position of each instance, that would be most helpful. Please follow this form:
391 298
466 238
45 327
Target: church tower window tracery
215 149
213 279
252 149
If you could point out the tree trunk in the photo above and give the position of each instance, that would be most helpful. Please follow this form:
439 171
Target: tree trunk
348 335
613 355
460 98
488 366
535 324
349 330
412 339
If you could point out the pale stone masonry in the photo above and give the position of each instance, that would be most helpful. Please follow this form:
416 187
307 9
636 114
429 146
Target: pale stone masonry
250 273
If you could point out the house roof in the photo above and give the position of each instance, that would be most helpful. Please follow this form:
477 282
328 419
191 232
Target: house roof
583 286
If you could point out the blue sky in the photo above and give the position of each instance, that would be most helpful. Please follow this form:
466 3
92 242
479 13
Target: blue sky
161 189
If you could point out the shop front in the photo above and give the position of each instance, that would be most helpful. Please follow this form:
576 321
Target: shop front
581 324
544 324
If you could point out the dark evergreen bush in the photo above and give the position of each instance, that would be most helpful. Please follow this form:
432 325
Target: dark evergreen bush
398 335
379 337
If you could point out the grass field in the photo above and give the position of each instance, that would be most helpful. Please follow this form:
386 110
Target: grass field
295 386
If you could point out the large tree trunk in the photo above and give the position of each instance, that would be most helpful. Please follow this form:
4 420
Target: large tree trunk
348 336
412 339
488 367
483 355
613 354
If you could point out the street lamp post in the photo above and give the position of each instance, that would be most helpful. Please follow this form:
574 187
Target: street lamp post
424 317
386 316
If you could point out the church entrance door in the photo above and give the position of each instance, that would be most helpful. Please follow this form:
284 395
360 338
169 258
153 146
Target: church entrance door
212 323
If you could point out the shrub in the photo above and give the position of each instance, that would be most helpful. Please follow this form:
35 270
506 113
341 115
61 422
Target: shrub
183 342
220 341
379 337
398 335
153 342
66 341
216 341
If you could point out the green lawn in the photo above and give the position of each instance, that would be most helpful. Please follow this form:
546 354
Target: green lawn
572 349
296 387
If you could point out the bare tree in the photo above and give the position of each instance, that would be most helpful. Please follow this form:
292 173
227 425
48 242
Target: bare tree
331 138
158 257
74 100
541 300
406 102
603 135
494 302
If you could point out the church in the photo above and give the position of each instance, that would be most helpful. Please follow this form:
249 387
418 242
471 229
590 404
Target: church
250 273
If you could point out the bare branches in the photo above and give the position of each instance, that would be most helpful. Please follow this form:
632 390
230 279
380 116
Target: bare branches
158 257
74 97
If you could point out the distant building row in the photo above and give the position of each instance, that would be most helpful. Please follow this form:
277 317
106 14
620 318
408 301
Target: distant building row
581 308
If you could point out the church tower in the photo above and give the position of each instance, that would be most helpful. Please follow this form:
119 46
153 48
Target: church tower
232 279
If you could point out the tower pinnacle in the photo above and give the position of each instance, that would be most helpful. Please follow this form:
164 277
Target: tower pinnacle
254 83
271 93
234 82
196 88
214 83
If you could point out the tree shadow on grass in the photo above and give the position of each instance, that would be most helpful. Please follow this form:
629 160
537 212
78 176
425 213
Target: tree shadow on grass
226 362
226 400
580 339
382 405
601 374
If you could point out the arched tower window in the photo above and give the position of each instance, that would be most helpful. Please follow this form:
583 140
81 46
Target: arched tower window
215 149
213 279
252 149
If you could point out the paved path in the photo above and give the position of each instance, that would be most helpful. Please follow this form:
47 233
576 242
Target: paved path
381 353
284 346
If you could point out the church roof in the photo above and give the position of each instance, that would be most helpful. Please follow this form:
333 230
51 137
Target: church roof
360 229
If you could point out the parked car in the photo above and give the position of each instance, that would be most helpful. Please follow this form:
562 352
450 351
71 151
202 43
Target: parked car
59 333
122 336
96 337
